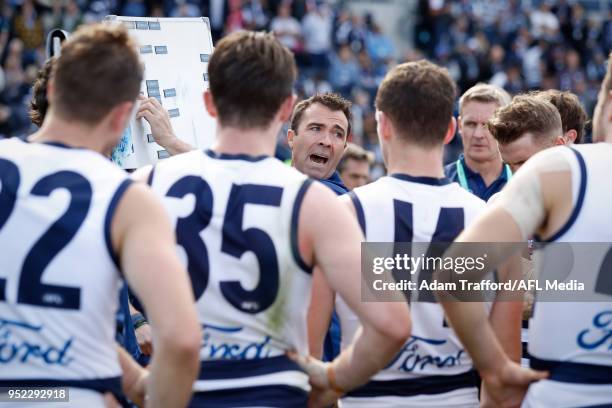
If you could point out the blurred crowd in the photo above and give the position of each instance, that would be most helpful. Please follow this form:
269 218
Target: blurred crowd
517 44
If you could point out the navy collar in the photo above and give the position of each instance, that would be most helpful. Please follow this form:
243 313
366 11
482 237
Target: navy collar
227 156
335 178
335 183
471 173
55 144
432 181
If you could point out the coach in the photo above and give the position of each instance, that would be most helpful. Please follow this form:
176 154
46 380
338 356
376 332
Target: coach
479 169
317 135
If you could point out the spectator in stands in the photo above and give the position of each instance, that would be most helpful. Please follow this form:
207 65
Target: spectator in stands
354 167
544 23
72 17
235 20
13 107
379 46
28 27
286 28
344 71
217 11
316 30
185 9
254 15
572 72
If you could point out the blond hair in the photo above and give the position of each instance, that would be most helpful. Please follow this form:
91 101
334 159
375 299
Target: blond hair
484 93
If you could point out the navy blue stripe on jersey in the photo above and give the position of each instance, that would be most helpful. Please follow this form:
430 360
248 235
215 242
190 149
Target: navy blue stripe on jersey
232 369
607 405
358 211
431 181
150 177
101 385
62 145
570 372
578 206
295 216
410 387
227 156
262 396
108 219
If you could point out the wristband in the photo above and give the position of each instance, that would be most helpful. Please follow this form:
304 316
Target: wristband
331 379
138 320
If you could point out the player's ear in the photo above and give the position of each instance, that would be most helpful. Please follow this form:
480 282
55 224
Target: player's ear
210 104
383 127
450 132
290 135
570 136
120 116
287 108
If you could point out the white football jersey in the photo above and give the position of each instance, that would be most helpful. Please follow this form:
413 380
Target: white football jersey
433 365
573 340
59 278
236 222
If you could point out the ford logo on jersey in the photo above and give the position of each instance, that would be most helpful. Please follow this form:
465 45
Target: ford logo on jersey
410 359
15 348
598 335
221 343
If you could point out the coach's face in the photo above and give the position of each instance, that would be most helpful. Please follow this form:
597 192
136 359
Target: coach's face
319 141
478 144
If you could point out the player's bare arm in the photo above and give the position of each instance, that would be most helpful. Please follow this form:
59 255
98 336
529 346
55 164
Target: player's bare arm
330 237
322 302
149 269
536 208
319 312
134 378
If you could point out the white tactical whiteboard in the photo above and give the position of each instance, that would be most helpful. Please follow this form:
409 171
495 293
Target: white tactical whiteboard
175 52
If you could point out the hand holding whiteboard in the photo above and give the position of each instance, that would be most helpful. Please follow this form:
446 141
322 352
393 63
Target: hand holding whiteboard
175 53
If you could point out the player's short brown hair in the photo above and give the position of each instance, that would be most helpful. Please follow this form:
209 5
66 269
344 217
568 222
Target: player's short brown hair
573 115
39 103
251 75
97 69
357 153
484 93
418 97
525 114
331 101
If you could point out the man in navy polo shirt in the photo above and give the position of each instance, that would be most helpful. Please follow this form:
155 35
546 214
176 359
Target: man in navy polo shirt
318 132
479 169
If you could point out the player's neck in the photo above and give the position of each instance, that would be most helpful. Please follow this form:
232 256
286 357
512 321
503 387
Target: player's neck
489 170
72 134
252 142
416 161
